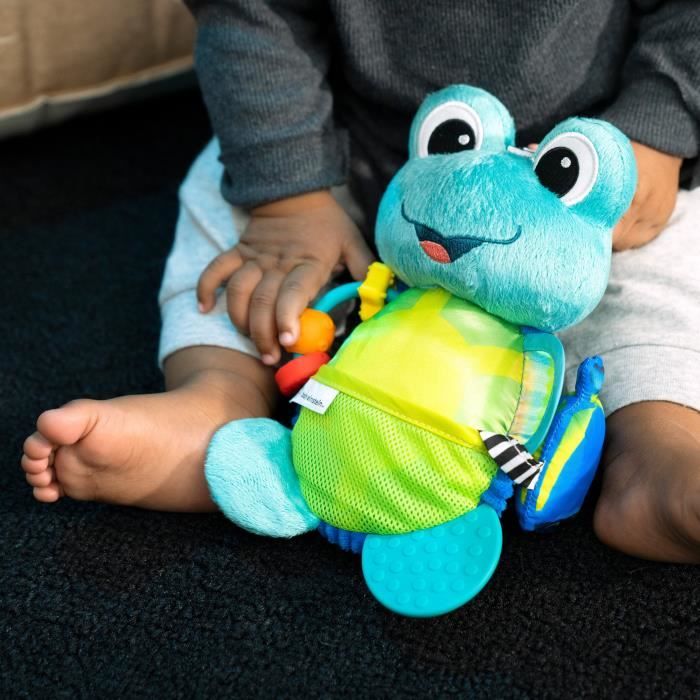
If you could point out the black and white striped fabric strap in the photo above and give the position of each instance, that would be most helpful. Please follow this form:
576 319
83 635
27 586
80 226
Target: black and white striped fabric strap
512 459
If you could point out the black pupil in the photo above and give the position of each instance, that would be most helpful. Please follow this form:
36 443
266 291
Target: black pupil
451 136
558 170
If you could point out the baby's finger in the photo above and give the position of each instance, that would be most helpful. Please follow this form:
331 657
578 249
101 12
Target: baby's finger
261 317
358 258
215 274
299 287
238 290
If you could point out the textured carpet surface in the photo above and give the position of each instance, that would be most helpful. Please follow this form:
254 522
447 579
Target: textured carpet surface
102 602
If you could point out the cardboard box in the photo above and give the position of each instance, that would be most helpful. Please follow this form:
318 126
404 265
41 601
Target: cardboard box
58 57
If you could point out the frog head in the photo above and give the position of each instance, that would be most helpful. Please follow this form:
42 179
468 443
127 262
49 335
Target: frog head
524 235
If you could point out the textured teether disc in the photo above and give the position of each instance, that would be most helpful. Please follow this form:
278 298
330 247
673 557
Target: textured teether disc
431 572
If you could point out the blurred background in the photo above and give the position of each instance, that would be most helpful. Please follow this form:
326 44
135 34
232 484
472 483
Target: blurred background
59 58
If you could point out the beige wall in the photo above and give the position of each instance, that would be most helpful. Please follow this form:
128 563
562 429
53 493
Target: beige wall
56 52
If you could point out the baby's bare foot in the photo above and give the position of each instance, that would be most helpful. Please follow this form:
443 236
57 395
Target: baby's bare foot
145 451
650 502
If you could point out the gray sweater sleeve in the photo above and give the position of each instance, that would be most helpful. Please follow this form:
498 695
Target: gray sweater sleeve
262 66
659 100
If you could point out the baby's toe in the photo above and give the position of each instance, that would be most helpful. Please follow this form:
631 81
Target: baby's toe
70 423
36 446
48 494
42 479
34 466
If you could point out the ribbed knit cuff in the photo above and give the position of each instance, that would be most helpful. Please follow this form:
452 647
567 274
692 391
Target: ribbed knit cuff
284 169
651 110
648 373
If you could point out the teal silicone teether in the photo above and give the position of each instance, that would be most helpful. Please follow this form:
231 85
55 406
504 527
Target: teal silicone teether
431 572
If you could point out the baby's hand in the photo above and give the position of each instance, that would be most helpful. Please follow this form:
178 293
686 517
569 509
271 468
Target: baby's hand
657 188
287 253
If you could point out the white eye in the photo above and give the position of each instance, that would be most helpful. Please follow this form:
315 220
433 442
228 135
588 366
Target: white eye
568 166
450 128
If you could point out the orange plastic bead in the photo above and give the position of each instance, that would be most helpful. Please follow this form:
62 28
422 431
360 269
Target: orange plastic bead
316 332
293 375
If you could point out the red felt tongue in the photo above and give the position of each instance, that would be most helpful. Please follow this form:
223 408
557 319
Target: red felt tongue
435 251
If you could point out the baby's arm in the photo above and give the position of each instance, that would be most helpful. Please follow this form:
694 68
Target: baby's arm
658 107
262 66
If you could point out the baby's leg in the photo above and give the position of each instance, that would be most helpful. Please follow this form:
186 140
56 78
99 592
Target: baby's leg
650 502
648 328
149 450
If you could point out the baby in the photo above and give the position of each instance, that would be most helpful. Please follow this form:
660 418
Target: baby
311 102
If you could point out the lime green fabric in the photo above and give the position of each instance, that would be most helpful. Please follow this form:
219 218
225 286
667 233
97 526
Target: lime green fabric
364 470
436 361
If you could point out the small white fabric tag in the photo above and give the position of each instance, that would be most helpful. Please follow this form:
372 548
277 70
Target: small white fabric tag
315 396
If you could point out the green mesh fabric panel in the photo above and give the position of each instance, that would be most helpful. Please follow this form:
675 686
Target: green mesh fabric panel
364 470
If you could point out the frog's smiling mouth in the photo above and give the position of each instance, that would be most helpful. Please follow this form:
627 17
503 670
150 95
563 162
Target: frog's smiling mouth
447 249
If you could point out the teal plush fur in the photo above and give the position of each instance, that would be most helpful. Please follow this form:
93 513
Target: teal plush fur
251 478
556 271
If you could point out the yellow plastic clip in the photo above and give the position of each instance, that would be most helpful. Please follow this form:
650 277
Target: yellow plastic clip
373 290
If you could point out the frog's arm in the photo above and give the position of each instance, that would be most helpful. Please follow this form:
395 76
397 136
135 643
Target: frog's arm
569 455
539 341
552 484
515 460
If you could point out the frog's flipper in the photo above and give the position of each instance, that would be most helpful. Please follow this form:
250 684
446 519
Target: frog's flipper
570 454
252 479
431 572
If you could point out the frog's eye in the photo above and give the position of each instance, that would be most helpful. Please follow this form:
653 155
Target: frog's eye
450 128
568 166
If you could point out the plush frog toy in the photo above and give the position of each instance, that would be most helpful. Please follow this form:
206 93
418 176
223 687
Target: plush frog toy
447 400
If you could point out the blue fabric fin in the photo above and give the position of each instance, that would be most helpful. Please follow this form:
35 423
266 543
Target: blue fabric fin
252 479
570 454
434 571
